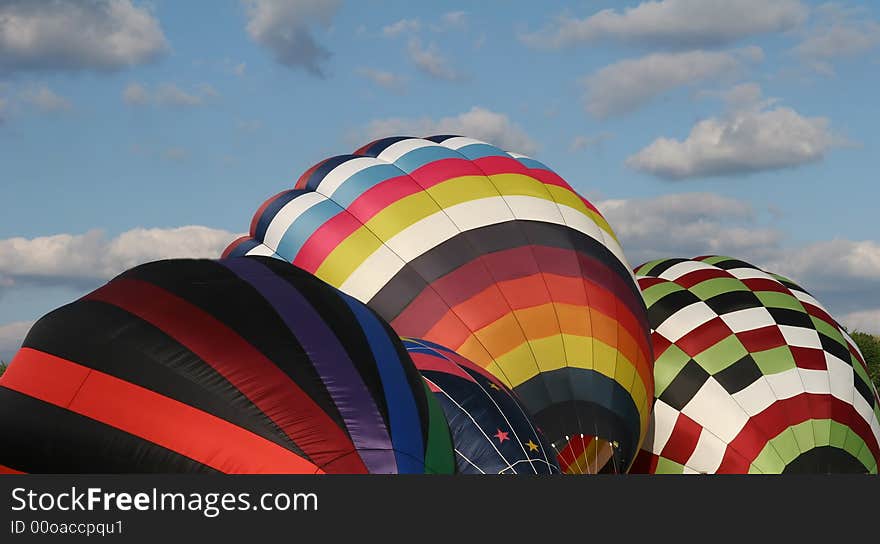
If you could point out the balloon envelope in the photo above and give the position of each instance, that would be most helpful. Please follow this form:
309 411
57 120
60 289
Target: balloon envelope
241 365
491 432
493 255
752 375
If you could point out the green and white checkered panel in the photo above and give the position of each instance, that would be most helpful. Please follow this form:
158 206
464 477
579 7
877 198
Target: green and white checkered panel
752 374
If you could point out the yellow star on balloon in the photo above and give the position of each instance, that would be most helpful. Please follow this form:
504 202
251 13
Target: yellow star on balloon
532 446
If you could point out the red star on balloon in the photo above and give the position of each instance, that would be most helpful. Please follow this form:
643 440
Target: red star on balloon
501 436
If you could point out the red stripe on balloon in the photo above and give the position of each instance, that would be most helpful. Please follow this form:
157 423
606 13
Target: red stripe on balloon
246 368
780 415
156 418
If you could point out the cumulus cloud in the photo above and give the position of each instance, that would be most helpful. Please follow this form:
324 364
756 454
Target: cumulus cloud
45 100
626 85
168 94
687 224
673 24
285 28
843 274
480 123
389 80
752 139
71 35
11 337
82 260
431 62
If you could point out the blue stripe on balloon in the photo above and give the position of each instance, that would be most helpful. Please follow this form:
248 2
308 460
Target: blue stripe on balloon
304 226
532 163
363 181
406 429
415 159
478 151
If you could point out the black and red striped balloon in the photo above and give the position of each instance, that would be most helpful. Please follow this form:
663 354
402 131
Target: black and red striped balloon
242 365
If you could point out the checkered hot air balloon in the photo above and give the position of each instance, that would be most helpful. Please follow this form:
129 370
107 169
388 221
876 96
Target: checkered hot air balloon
752 375
494 256
243 365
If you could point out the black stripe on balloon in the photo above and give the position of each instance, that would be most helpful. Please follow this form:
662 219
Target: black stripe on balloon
662 267
733 301
465 247
377 147
440 138
667 305
730 264
106 338
835 348
602 408
825 460
864 389
326 167
792 318
39 437
216 290
272 209
685 385
338 317
739 375
556 419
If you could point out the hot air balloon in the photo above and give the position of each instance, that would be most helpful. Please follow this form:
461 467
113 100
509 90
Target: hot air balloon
752 375
491 432
242 365
492 255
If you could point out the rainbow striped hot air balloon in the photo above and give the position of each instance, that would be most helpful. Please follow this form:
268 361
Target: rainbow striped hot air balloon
493 255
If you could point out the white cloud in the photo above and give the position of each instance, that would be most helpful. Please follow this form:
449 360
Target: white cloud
744 141
45 100
11 337
136 94
85 259
628 84
100 35
480 123
674 23
284 27
837 32
844 275
687 224
403 26
582 142
432 62
168 94
389 80
451 21
862 321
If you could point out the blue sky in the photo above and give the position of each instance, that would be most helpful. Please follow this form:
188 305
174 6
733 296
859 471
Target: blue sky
697 126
